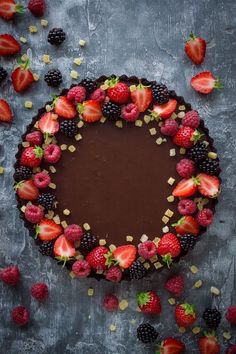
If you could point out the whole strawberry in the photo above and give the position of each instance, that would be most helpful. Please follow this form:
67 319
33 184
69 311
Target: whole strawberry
186 137
32 156
208 344
118 92
175 285
96 258
168 247
10 275
149 302
185 315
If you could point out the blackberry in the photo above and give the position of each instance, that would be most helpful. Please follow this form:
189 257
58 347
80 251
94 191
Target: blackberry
210 166
88 242
53 78
137 270
160 93
46 248
146 333
212 317
198 152
22 173
187 241
47 200
56 36
69 128
3 74
111 110
89 84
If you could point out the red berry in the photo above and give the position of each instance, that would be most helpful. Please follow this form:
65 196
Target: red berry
10 275
186 137
35 138
191 119
187 207
114 274
195 48
81 269
76 94
185 168
185 315
96 258
231 315
168 247
205 83
98 95
20 315
231 350
110 302
31 156
6 114
170 127
39 291
205 217
42 179
118 92
37 7
175 285
73 233
34 213
149 303
130 112
52 153
147 249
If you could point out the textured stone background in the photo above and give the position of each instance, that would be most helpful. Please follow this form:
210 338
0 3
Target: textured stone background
144 38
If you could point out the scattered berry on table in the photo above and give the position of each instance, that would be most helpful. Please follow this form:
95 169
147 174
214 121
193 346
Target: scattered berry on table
3 74
231 349
118 92
112 111
9 45
168 247
6 114
22 173
96 258
124 255
81 269
146 333
89 84
185 315
186 137
170 127
149 302
231 315
73 232
69 128
22 77
198 152
205 217
205 83
191 119
52 153
10 275
42 179
53 78
56 36
76 94
171 346
98 95
88 242
114 274
130 112
187 241
35 138
175 285
195 48
8 8
39 291
46 248
147 249
137 270
142 97
27 190
209 344
47 200
212 167
212 317
209 186
20 315
37 7
187 207
160 93
33 213
31 156
110 302
185 168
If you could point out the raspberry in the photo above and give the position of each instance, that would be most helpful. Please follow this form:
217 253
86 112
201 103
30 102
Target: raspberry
73 233
77 94
20 315
10 275
114 274
42 179
191 119
185 168
147 249
37 7
52 153
205 217
231 349
81 269
34 138
187 207
39 291
231 315
110 302
33 213
175 285
170 127
130 112
98 95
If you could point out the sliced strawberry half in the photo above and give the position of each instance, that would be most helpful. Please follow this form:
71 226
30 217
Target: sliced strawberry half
90 111
124 255
142 96
171 346
63 250
8 8
27 190
186 187
48 230
48 123
22 77
5 111
205 83
195 48
64 108
165 110
187 225
209 185
9 45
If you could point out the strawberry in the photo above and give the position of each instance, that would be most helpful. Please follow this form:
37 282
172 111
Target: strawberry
209 186
124 255
27 190
149 303
186 137
31 156
165 110
186 187
168 247
96 258
64 108
48 123
195 48
118 92
47 230
8 8
90 111
185 315
5 111
9 45
63 249
187 225
171 346
208 344
205 82
22 77
142 96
